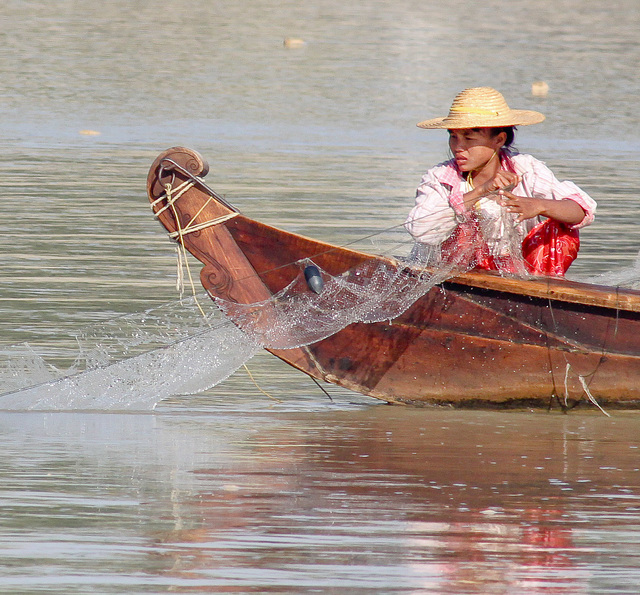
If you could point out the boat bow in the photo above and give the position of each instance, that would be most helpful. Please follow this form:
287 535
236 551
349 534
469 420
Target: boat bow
477 339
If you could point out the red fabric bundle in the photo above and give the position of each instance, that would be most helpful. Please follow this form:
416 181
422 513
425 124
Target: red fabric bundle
548 249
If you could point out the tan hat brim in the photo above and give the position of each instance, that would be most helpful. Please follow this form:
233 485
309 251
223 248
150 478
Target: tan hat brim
513 117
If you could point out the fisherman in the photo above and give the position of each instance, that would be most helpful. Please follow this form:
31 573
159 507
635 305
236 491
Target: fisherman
506 209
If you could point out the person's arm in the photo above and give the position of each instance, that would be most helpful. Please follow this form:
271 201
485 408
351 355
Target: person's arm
547 196
564 210
432 219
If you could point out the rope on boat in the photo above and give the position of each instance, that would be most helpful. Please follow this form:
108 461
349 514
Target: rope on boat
182 259
182 250
192 228
568 370
583 382
171 196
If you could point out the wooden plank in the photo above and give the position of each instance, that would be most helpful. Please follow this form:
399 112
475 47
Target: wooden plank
555 289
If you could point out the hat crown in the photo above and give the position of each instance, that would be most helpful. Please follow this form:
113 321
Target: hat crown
483 101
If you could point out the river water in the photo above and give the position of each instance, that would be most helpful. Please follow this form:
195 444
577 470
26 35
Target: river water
162 468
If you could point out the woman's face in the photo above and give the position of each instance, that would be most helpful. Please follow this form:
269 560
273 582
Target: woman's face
472 148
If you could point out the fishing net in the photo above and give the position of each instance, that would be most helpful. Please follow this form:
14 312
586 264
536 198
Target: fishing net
627 277
377 290
123 363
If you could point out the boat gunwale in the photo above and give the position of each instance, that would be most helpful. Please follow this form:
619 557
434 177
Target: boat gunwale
556 289
552 288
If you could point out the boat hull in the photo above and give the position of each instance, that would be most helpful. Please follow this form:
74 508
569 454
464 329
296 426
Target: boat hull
476 340
456 346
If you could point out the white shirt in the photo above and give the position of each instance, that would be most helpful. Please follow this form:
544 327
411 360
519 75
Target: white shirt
439 205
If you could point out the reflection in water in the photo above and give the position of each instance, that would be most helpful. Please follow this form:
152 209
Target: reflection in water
333 498
428 501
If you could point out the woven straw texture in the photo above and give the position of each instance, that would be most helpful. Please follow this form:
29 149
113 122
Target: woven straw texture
482 107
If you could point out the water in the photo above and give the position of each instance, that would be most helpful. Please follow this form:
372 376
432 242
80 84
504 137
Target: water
352 499
232 489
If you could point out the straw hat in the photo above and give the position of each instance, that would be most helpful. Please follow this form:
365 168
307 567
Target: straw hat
482 107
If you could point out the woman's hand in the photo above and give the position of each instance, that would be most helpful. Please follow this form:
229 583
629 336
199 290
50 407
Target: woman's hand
503 180
566 210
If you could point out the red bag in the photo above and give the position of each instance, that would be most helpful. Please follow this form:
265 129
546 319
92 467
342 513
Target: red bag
550 248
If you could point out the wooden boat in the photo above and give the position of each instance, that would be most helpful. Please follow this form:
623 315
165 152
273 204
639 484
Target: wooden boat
475 340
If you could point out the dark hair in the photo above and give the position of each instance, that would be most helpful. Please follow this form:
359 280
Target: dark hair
510 131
